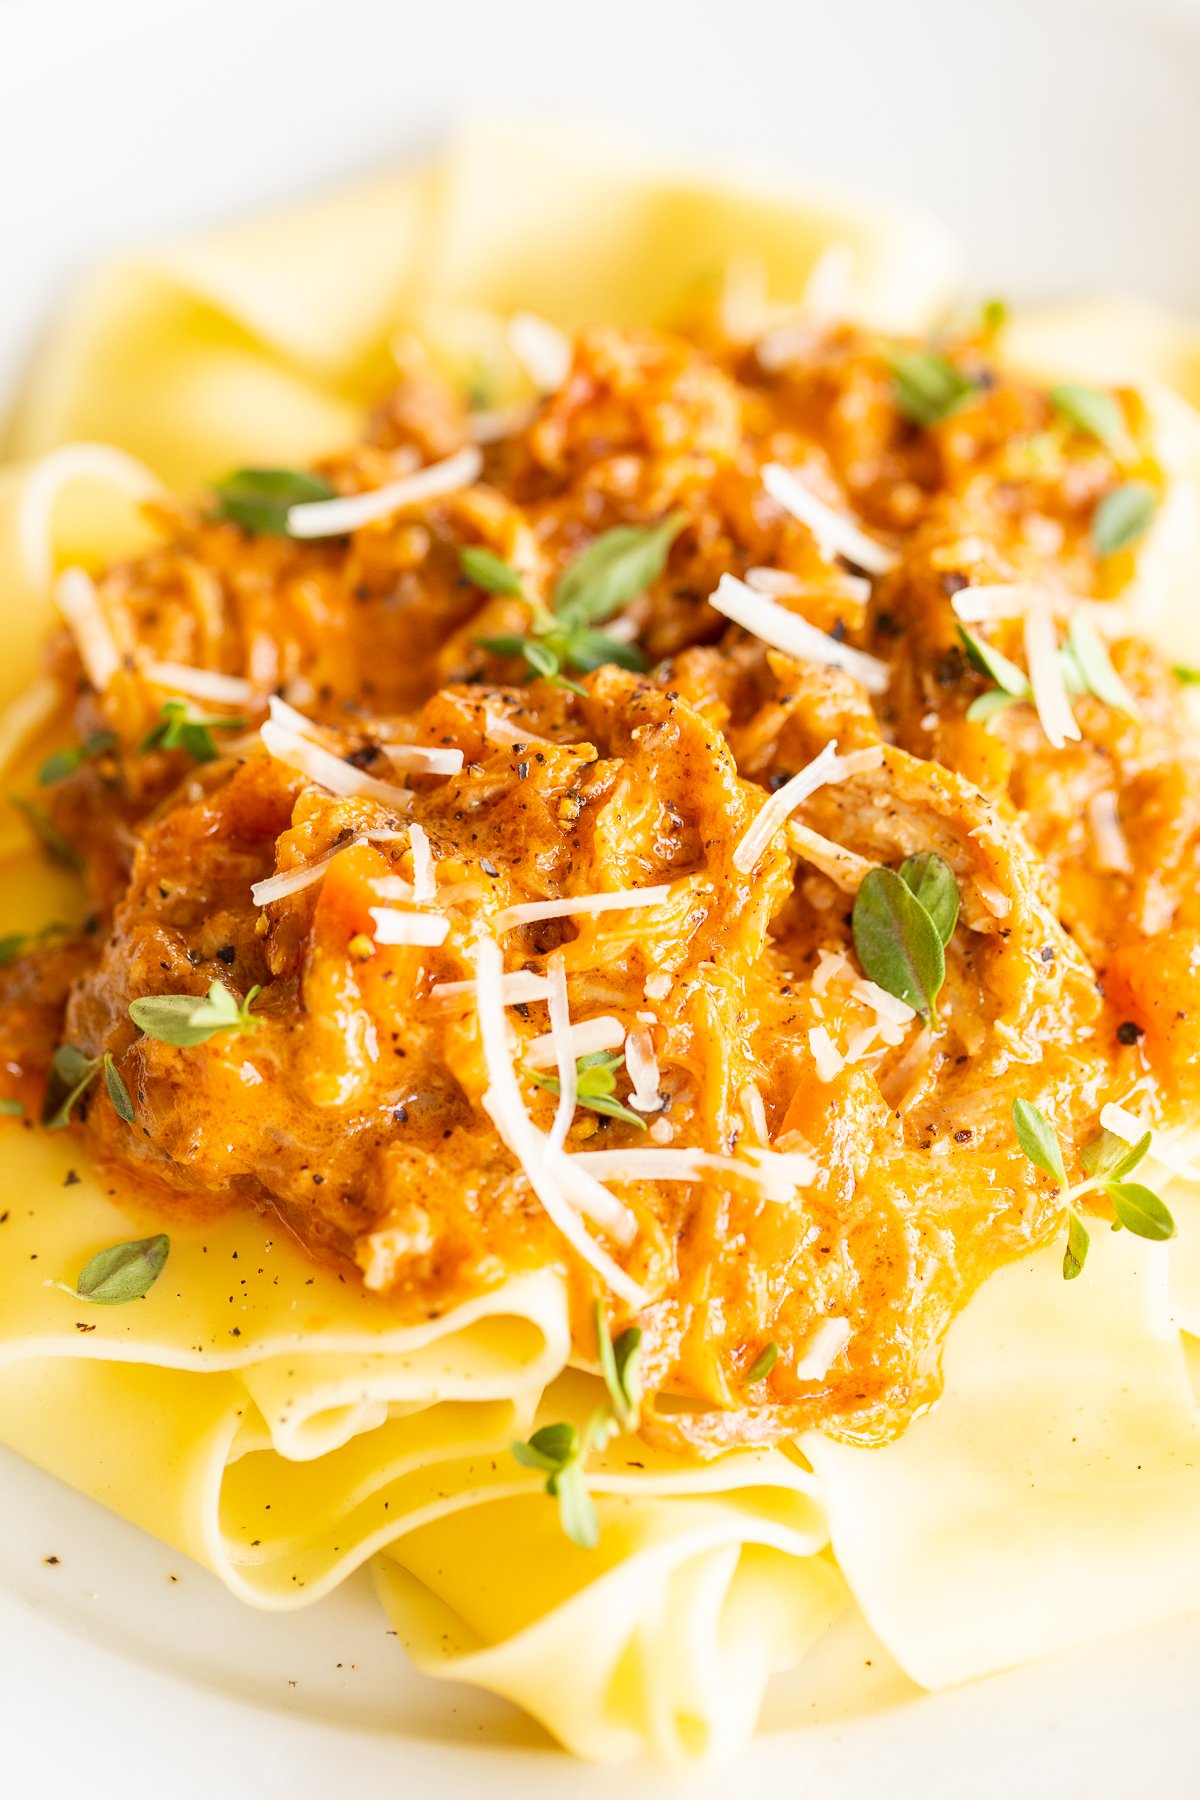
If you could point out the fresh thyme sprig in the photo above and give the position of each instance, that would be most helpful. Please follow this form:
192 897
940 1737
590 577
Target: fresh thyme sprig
187 1019
1107 1162
71 1074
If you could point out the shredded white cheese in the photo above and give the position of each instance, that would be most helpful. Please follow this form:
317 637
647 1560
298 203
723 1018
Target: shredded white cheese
199 684
834 533
1046 677
844 867
492 425
327 770
504 733
644 1072
518 989
530 912
777 1173
827 1057
831 966
562 1052
755 1112
822 1350
778 584
294 881
825 767
424 759
543 351
1108 839
658 987
506 1109
332 518
77 600
788 632
585 1038
424 870
395 927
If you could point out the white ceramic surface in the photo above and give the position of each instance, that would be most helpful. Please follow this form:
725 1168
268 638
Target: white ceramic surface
1058 137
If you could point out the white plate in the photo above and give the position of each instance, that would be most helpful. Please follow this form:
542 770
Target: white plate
1059 139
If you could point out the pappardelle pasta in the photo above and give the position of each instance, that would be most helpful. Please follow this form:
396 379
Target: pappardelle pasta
600 994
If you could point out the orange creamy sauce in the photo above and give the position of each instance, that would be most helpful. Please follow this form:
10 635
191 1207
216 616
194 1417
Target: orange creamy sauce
354 1112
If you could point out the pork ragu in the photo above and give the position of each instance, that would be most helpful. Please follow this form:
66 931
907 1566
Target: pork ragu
862 1173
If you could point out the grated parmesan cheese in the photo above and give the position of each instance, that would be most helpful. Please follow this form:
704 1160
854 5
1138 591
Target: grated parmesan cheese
826 1055
778 584
777 1173
45 482
1104 822
822 1350
543 351
835 534
506 1109
199 684
517 989
585 1038
789 632
424 871
844 867
530 912
77 600
826 767
1046 677
327 770
333 518
642 1065
294 881
395 927
658 987
26 716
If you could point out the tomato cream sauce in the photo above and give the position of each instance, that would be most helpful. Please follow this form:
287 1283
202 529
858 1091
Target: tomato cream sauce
355 1110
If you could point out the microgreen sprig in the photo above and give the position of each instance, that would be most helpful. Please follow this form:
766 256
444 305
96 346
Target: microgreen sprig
763 1363
259 500
1107 1162
618 566
181 729
595 1085
560 1452
184 1020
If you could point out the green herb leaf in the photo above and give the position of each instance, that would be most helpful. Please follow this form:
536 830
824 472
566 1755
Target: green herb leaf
987 706
123 1272
558 1451
259 500
185 1020
595 1076
930 879
927 386
11 1108
489 571
1140 1211
65 762
994 314
1038 1140
1095 665
1109 1155
1089 410
541 658
616 568
1122 517
620 1366
118 1093
592 649
1078 1242
47 833
898 944
985 659
181 729
71 1073
1186 677
18 942
763 1363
